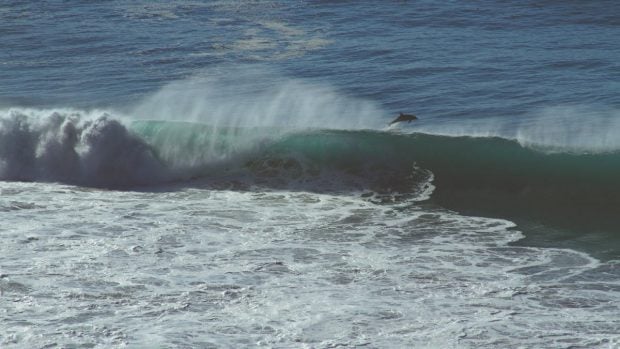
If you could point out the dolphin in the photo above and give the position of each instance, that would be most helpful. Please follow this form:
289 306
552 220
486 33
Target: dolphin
404 117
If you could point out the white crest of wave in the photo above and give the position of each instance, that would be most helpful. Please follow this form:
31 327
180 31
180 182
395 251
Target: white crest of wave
72 146
578 129
258 96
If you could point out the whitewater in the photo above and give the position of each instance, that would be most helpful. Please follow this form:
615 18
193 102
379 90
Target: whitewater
232 182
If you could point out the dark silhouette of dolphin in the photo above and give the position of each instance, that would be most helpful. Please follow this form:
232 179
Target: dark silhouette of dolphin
404 117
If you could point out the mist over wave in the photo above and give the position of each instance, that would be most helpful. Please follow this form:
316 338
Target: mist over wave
257 96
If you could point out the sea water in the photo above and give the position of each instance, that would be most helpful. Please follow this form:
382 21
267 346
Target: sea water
221 175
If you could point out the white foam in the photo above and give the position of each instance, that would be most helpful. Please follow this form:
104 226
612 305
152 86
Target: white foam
66 145
201 267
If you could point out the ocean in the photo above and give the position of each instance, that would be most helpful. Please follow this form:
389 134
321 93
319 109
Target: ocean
221 174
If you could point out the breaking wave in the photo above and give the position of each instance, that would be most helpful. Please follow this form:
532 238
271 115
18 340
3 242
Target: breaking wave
481 175
76 148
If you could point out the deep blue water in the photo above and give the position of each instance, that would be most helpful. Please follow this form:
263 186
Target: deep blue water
439 59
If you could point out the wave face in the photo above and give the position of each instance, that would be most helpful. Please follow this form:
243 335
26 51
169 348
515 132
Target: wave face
477 175
316 160
502 178
486 174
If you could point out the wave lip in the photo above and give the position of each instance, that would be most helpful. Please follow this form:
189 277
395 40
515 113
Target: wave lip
560 129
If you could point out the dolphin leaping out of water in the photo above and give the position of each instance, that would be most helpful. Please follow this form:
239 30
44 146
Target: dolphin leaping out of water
404 117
